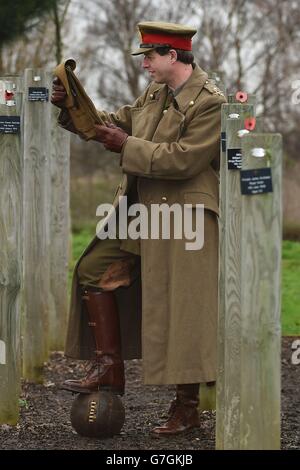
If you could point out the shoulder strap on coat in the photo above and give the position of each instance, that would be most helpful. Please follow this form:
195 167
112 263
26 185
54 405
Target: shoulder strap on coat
212 88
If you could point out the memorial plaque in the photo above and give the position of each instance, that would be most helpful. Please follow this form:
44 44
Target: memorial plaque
38 94
258 181
10 124
234 159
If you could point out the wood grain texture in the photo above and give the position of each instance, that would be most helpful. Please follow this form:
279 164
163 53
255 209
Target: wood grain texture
59 231
250 101
260 301
228 231
36 228
232 295
11 169
207 398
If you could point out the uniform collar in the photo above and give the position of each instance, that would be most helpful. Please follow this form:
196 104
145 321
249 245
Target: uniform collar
186 93
191 89
177 91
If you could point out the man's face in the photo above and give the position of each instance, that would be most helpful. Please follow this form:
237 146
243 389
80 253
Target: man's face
159 67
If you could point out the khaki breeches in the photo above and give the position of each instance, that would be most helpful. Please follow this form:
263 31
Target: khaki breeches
106 266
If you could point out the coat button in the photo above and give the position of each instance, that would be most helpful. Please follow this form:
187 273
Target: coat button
165 111
191 103
164 198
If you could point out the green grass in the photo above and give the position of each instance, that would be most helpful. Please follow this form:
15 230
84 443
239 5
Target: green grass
79 242
290 313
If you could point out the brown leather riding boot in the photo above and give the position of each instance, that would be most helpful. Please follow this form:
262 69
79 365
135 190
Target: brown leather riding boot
107 368
183 412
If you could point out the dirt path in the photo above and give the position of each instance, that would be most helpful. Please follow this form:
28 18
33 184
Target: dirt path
45 421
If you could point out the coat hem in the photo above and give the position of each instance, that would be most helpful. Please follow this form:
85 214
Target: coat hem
191 376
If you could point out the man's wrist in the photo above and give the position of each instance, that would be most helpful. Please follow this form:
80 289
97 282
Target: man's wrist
123 150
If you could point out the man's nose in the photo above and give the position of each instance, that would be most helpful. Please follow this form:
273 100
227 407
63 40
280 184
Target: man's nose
145 63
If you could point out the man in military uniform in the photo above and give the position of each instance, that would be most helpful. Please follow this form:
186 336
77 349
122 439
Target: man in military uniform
168 142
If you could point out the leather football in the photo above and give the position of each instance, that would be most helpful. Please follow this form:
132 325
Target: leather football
99 414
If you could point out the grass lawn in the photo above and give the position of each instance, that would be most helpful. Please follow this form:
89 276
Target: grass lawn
290 278
79 241
290 312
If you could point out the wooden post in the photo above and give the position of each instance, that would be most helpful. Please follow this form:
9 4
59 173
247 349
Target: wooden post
208 394
251 99
36 225
243 416
11 168
261 239
229 232
59 231
207 397
217 77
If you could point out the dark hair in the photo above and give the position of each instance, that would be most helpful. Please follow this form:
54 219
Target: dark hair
182 56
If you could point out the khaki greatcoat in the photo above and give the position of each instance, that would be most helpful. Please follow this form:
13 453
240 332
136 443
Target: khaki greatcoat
172 157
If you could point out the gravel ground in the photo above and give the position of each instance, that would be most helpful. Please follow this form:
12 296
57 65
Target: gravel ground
45 414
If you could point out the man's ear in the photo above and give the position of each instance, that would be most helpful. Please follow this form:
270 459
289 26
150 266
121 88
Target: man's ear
173 55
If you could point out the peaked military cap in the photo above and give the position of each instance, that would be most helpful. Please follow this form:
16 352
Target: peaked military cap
155 34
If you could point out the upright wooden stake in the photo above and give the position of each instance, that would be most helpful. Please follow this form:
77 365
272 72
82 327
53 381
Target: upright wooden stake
36 226
228 244
59 231
11 170
261 239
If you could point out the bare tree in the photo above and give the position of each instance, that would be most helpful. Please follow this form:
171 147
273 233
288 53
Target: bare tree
112 35
255 45
58 15
41 46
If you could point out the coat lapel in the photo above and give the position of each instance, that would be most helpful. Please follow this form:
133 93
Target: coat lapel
191 89
145 120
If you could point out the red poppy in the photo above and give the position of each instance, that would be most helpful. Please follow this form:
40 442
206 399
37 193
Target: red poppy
8 95
241 96
250 123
